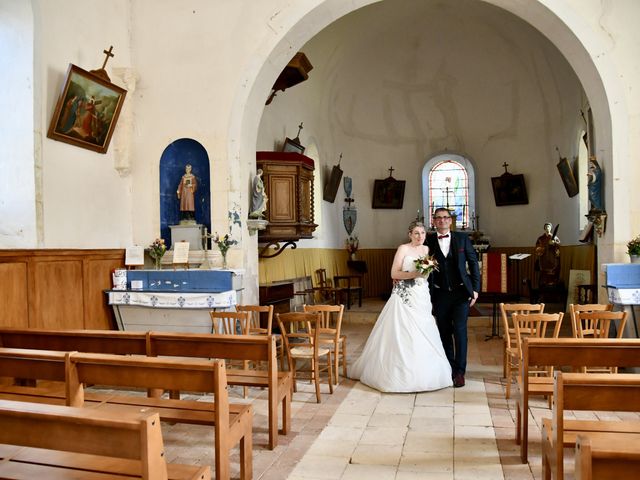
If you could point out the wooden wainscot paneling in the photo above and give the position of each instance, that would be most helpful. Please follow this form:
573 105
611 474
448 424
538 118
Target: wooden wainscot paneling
13 294
57 288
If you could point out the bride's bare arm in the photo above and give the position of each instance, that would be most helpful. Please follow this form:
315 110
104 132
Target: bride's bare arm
396 267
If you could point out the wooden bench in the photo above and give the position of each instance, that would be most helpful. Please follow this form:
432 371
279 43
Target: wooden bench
617 455
258 348
586 391
232 423
564 352
82 443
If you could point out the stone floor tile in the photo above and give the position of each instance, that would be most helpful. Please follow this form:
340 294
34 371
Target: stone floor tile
321 467
333 448
426 462
369 472
377 455
389 420
410 475
384 436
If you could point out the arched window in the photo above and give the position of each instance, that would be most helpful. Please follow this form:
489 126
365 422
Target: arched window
448 180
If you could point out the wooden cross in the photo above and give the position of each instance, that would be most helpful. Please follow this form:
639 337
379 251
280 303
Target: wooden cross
391 169
299 129
505 165
108 54
340 159
349 201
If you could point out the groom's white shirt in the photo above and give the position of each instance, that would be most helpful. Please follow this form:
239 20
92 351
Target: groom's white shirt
445 243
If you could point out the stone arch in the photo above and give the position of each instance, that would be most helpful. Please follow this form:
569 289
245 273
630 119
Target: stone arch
574 38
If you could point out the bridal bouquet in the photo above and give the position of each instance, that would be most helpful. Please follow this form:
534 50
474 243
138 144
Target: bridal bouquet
426 264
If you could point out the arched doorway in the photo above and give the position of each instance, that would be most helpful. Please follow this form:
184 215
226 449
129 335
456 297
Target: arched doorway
565 29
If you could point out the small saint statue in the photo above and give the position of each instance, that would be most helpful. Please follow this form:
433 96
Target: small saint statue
258 197
594 184
186 194
548 257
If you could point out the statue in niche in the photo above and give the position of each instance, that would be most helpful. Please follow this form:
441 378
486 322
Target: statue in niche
594 184
258 197
547 254
186 194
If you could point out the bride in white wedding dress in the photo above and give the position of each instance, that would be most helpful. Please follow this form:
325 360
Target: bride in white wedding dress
404 352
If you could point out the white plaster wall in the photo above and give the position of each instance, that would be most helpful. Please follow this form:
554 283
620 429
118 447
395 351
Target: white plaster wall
394 85
196 60
85 203
17 169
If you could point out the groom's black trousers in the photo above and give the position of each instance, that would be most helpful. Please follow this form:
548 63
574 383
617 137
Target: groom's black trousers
451 309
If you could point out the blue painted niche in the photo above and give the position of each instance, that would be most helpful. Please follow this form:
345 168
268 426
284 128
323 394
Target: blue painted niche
172 162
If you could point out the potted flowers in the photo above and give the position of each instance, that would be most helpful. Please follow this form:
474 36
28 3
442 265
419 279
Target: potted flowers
156 251
633 249
352 244
224 243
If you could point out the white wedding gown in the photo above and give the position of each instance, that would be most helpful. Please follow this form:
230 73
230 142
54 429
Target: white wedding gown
404 352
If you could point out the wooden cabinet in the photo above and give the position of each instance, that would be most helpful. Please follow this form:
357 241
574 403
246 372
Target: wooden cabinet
288 180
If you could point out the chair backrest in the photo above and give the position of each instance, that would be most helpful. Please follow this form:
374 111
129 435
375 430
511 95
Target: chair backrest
321 277
254 324
299 329
331 317
507 310
598 324
536 325
575 308
230 323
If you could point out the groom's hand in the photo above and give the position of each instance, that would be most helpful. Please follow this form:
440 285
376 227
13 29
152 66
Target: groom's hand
472 301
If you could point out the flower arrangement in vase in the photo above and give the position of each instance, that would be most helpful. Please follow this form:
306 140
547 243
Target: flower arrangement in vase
156 251
224 243
633 249
352 244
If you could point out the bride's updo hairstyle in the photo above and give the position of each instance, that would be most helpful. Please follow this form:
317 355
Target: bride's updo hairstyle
415 224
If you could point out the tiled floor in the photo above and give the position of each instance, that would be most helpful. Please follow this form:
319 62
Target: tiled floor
359 433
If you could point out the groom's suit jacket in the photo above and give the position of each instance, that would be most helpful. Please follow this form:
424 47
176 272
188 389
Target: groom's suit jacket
465 261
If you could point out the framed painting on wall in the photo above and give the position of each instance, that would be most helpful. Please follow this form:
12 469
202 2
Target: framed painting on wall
388 193
87 110
509 189
568 178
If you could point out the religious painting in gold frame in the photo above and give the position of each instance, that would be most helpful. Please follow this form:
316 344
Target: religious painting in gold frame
87 110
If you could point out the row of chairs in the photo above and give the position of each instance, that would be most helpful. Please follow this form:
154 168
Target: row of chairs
343 288
523 320
304 337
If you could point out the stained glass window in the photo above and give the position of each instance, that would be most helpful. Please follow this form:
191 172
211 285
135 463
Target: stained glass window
448 183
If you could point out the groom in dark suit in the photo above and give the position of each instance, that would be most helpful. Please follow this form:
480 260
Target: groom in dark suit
454 288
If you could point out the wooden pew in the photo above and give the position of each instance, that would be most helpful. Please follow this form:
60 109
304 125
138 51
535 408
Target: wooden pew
83 443
232 423
586 391
617 456
238 347
564 352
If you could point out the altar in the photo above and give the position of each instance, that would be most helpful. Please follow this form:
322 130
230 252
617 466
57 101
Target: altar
175 301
